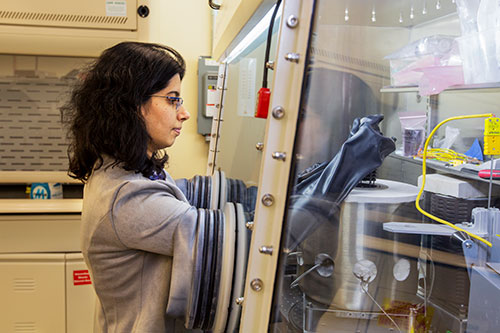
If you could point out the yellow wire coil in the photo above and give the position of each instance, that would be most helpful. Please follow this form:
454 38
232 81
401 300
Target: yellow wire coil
424 165
445 155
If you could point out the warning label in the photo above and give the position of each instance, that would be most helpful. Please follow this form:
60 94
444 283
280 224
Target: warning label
81 277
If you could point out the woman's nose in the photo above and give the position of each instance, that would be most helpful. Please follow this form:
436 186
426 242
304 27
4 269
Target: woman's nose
183 114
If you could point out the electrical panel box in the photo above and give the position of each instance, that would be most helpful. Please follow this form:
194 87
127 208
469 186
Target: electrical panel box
207 93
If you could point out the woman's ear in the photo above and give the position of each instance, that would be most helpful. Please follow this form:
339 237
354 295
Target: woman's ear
144 109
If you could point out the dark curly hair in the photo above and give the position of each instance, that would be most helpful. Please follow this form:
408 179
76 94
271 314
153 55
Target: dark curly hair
103 113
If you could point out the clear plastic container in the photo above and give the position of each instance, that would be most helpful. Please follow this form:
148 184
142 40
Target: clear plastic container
408 65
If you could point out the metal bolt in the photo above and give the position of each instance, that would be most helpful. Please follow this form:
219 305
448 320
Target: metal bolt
279 155
221 75
270 64
267 200
278 112
292 21
293 57
217 106
256 284
239 300
249 225
266 250
259 146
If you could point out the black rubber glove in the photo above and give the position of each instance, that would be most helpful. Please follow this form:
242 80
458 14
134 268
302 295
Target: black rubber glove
321 190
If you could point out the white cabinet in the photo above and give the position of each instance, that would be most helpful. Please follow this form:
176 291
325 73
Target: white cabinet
49 292
33 293
45 284
27 233
67 28
80 295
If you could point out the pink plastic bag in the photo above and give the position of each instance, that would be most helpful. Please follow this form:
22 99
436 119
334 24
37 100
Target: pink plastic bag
437 78
409 74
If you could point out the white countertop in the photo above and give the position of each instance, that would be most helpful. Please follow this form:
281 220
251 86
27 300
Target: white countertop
17 206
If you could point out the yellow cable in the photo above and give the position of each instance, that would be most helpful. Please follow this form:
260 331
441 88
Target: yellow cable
424 157
444 155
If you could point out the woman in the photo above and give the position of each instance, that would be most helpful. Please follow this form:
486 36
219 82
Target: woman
124 111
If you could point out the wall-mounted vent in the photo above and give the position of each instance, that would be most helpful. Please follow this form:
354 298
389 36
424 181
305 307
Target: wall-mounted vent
25 326
24 285
89 14
49 18
332 57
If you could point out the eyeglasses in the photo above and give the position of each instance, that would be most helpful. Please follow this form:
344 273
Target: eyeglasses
177 101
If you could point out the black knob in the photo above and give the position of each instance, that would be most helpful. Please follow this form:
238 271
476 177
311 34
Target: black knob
143 11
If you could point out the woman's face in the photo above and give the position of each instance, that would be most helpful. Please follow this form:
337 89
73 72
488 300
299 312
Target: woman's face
163 120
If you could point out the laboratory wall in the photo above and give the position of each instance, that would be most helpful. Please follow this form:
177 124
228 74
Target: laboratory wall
183 25
186 26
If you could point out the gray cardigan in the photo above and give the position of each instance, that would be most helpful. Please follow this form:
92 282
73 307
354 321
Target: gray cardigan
138 237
